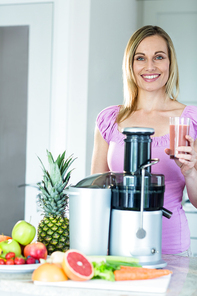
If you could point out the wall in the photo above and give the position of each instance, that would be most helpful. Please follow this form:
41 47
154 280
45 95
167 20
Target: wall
112 23
99 32
77 84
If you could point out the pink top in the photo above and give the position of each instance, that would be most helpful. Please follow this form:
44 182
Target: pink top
175 231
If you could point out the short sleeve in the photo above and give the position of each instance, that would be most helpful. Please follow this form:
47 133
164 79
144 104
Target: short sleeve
106 122
191 112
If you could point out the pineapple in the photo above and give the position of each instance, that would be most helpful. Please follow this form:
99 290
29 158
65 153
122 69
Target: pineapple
53 229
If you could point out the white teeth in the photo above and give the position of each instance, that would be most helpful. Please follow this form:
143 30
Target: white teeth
151 76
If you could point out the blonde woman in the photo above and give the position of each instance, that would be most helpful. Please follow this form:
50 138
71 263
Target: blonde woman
151 87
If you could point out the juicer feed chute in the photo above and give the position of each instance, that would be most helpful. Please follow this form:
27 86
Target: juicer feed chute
137 148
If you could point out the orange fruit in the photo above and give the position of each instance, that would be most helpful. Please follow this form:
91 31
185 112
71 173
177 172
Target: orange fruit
49 272
77 266
4 237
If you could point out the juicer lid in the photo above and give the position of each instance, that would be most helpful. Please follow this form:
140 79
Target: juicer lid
119 179
138 130
104 180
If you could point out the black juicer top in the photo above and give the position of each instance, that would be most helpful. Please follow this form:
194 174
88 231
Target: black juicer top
126 195
137 148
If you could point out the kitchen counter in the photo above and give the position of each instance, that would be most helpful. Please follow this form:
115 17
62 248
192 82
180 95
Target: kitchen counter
191 214
183 282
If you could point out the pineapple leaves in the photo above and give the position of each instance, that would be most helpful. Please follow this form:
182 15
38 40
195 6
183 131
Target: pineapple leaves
60 160
66 166
55 181
53 230
54 170
43 168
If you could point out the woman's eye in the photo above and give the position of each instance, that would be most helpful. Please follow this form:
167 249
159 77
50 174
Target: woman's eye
159 58
140 59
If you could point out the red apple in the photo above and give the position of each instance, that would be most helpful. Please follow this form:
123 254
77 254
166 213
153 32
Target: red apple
23 232
37 250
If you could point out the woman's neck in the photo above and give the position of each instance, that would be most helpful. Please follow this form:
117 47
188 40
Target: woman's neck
152 100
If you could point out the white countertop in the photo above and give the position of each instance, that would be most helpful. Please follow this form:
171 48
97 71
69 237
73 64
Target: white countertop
183 282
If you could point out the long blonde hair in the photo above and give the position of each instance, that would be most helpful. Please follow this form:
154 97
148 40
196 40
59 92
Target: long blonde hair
130 89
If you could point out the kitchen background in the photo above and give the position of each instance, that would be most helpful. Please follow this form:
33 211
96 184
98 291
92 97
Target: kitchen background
60 65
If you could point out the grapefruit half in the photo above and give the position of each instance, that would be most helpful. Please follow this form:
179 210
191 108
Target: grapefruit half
77 266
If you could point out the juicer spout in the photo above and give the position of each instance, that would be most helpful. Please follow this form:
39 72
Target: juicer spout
166 213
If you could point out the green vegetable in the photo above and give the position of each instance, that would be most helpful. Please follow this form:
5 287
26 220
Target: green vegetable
104 266
103 270
115 259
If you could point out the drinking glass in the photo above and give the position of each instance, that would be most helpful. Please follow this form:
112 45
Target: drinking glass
179 128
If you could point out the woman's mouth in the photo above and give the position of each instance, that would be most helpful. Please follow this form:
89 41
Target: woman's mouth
150 78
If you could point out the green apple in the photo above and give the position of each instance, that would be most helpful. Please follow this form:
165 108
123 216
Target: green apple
10 245
23 232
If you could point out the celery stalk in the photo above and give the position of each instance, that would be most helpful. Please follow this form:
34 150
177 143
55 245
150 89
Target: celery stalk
113 259
116 261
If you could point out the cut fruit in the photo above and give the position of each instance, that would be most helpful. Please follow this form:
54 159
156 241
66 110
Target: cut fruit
56 257
49 272
77 266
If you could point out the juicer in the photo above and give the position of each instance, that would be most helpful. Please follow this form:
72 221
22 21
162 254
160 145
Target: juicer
129 221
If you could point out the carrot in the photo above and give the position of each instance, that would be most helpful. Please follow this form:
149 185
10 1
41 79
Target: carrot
127 273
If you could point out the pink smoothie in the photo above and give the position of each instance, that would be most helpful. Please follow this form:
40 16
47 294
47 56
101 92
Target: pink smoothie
178 140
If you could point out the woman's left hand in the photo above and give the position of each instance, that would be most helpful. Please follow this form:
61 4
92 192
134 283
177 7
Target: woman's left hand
188 160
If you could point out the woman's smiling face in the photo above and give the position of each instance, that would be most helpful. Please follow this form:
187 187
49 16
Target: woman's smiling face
151 64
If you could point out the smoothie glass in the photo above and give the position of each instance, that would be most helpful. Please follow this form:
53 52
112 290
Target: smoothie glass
179 128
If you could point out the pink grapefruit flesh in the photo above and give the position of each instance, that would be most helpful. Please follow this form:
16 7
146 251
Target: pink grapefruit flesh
77 266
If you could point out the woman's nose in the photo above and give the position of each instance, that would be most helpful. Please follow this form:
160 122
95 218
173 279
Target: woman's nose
150 66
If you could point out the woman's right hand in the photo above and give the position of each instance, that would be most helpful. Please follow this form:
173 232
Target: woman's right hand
188 160
167 151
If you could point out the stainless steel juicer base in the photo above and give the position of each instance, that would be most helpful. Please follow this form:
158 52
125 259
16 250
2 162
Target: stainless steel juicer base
125 242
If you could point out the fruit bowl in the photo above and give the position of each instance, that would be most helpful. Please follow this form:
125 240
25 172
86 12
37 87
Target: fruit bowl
18 268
